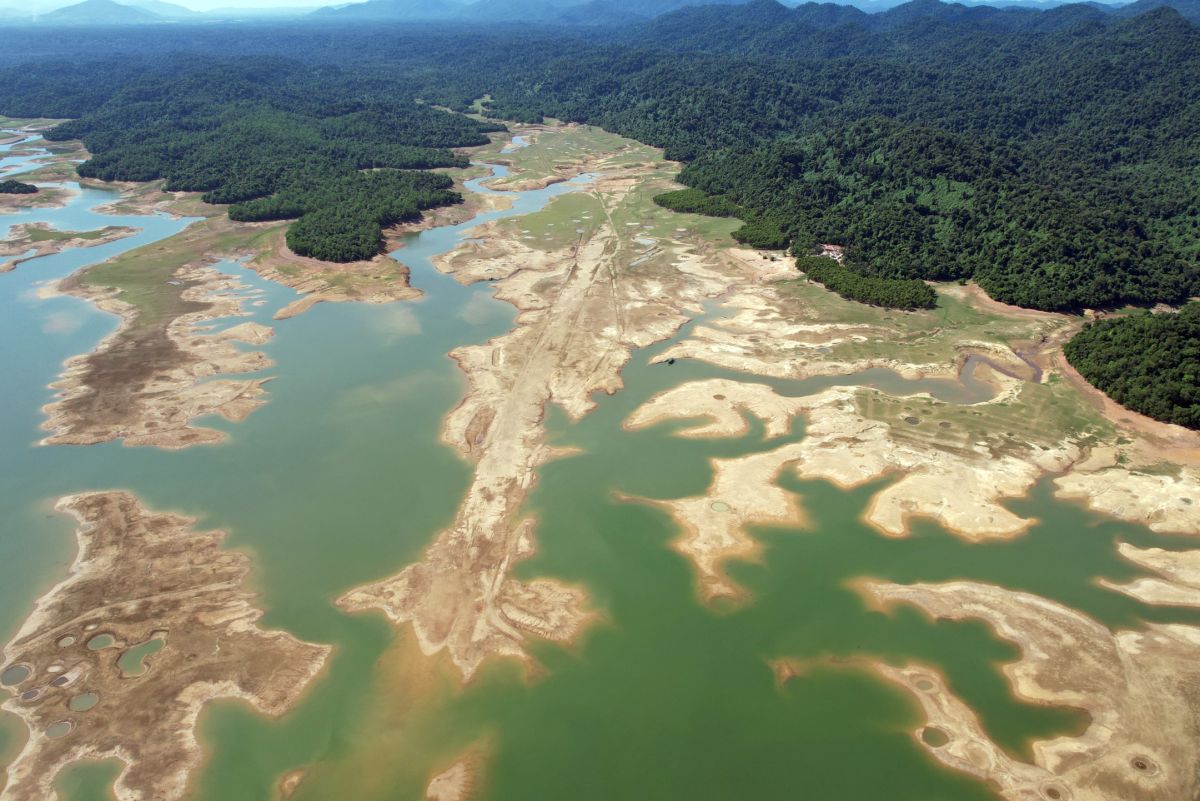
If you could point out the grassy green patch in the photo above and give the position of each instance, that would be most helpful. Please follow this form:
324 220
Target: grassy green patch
144 277
565 147
926 336
1043 415
53 235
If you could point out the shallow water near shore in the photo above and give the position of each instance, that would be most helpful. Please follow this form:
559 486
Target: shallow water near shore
341 479
13 163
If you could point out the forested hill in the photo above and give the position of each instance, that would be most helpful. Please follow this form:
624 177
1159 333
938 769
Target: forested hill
956 158
1050 155
1147 362
278 140
768 29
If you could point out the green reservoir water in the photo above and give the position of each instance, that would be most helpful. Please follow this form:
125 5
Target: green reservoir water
340 479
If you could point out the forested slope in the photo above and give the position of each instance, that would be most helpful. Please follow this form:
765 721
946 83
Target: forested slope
282 142
1147 362
1049 155
955 158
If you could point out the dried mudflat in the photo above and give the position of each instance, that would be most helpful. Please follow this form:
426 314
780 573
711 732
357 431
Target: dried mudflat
160 370
148 381
1141 689
139 576
378 280
565 152
145 383
583 308
590 291
954 462
457 782
955 476
957 463
54 163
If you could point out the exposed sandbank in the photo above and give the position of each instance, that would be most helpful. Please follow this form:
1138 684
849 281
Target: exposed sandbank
1142 742
1177 582
33 240
144 385
141 575
459 781
787 328
955 476
582 311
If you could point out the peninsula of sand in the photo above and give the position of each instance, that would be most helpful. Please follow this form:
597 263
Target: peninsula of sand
956 410
955 454
589 294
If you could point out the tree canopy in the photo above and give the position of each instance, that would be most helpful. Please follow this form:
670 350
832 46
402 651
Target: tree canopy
928 140
1147 362
11 187
894 293
279 141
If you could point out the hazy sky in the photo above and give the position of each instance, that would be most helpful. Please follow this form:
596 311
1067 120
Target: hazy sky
204 5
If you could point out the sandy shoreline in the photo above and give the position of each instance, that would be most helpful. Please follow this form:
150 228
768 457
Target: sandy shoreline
1141 742
846 448
770 334
582 313
145 387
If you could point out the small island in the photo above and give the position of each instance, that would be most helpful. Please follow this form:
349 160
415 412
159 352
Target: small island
27 241
11 187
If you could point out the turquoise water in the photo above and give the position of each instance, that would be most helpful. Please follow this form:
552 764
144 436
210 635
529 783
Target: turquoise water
340 479
10 164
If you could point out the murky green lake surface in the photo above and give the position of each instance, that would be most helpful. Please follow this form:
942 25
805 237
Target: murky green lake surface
340 479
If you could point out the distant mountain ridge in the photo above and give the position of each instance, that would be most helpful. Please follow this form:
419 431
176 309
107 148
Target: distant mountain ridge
1189 9
408 10
163 9
100 12
684 17
828 27
136 12
870 14
567 12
